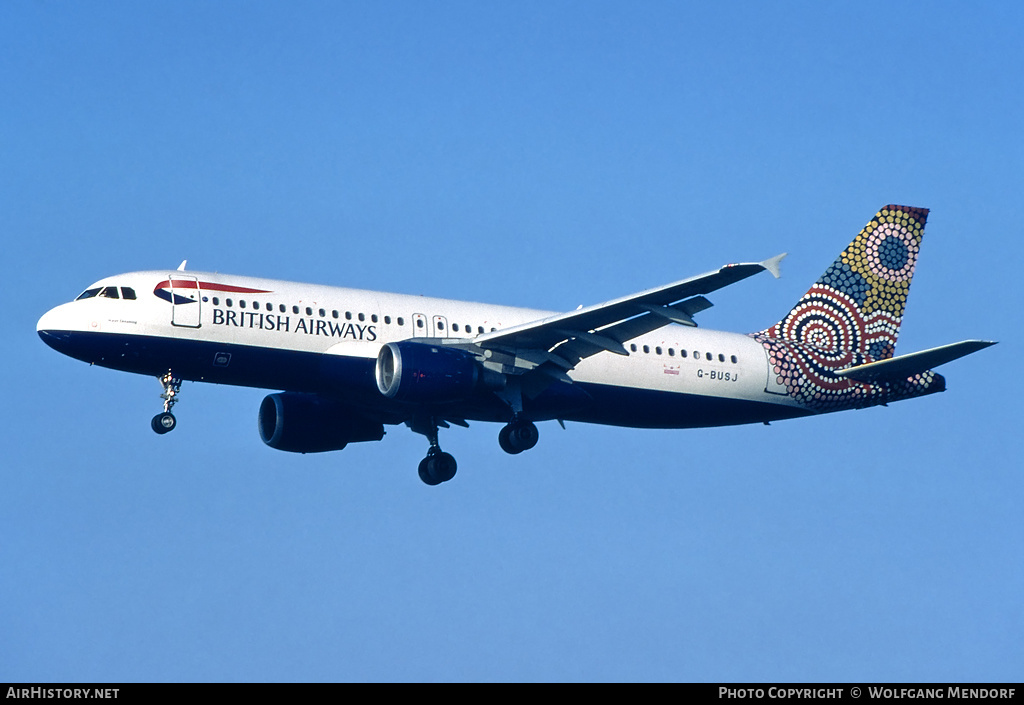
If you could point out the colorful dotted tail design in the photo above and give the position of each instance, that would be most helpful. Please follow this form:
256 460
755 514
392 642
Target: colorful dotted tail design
851 316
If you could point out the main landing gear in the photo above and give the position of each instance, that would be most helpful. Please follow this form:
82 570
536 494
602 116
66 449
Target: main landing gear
438 466
165 422
518 435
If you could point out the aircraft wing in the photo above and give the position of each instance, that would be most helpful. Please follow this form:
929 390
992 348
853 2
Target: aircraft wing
904 366
567 338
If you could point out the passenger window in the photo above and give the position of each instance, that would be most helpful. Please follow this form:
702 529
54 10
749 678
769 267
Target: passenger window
632 347
455 327
733 358
647 348
335 314
361 318
657 350
348 315
323 314
387 320
373 318
708 356
419 322
228 302
281 308
401 321
309 310
721 357
216 301
127 293
241 303
682 353
671 352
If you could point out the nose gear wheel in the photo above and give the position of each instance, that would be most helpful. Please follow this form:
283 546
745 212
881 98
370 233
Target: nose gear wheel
165 422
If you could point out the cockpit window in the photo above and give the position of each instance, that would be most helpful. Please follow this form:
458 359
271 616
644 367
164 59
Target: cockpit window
108 292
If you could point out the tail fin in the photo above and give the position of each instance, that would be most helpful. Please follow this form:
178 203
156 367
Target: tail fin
854 310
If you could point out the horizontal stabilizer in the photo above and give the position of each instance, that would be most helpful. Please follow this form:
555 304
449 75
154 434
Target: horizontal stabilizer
904 366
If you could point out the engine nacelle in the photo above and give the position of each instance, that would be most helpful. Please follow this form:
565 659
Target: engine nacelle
307 423
420 372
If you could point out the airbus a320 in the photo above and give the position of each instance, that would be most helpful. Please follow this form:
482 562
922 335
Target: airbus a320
345 363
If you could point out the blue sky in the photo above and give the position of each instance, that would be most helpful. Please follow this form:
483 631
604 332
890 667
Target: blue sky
540 154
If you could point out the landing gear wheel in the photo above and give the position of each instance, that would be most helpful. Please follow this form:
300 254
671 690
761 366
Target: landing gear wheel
517 436
437 467
164 423
425 475
506 442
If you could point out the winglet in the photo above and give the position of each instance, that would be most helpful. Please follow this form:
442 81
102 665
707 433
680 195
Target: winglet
181 267
772 264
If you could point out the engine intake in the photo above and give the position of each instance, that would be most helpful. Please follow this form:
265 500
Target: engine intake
419 372
307 423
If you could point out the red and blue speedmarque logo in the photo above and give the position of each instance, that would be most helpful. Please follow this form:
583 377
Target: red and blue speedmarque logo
170 290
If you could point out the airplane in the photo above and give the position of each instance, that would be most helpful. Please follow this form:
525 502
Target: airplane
348 362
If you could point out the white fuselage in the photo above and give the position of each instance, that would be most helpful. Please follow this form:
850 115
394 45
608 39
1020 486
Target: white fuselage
249 331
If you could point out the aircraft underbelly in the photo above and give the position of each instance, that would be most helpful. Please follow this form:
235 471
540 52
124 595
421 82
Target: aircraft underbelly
650 408
675 402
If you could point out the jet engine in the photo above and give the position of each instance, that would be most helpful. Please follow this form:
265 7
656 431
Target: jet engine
420 372
307 423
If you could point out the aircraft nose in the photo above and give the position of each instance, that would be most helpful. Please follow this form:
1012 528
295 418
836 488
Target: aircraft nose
57 341
54 330
44 321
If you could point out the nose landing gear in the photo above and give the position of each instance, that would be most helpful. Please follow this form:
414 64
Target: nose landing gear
165 422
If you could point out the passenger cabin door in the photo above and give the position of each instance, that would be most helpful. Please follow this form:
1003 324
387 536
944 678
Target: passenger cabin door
774 383
185 301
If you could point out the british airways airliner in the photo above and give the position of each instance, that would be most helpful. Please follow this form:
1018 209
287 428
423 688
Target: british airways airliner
348 362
